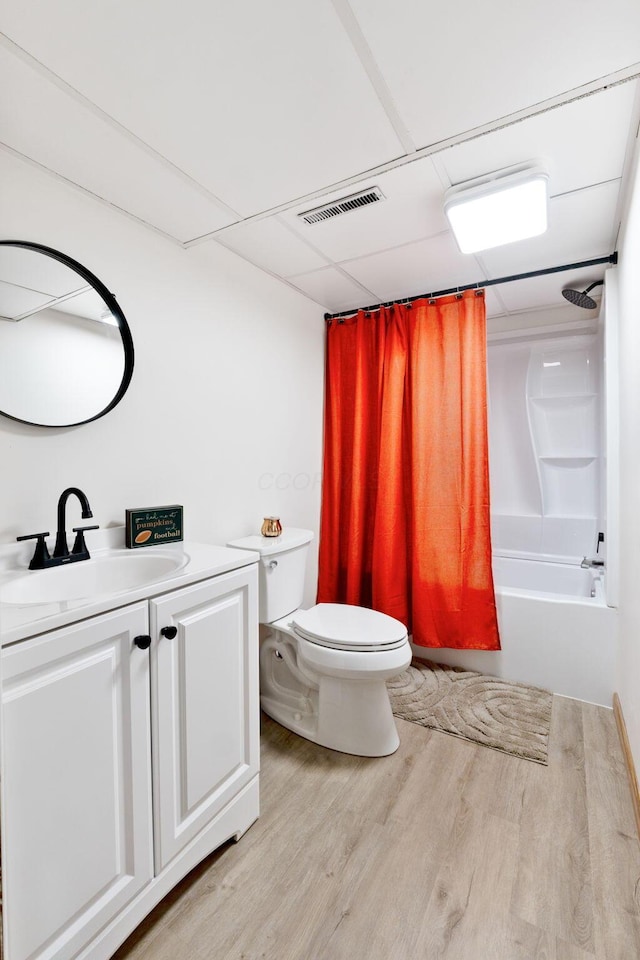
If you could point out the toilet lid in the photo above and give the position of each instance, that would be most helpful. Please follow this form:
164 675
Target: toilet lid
345 627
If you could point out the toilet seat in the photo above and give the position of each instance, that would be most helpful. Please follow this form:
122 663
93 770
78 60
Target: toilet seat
340 626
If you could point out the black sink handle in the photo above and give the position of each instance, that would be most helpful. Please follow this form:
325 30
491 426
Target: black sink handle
79 546
41 553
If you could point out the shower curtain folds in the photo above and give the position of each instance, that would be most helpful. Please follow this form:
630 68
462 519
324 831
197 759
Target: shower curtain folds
405 507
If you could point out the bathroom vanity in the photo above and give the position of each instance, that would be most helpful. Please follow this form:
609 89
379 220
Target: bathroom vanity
130 736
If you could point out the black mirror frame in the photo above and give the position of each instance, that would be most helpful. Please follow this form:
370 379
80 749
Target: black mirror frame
111 303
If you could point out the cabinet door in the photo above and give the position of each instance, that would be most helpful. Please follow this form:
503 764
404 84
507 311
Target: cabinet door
76 782
204 704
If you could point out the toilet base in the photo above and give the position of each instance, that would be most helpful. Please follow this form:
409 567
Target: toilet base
337 699
352 717
355 717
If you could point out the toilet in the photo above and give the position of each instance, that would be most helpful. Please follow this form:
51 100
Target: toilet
323 671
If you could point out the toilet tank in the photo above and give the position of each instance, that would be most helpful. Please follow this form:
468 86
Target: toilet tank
282 566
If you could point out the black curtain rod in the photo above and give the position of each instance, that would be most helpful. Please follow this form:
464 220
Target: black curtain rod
612 258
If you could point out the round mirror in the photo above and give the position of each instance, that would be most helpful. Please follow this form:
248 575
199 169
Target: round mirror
66 353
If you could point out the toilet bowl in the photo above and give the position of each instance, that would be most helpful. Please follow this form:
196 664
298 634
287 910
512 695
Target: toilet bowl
323 670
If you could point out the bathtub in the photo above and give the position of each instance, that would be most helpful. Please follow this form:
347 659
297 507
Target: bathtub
556 630
514 575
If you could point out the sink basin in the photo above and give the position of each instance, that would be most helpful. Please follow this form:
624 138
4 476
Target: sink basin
102 575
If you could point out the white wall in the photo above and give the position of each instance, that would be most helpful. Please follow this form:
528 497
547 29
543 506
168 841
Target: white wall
224 412
628 271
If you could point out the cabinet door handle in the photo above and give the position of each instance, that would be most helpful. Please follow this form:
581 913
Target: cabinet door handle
143 641
169 632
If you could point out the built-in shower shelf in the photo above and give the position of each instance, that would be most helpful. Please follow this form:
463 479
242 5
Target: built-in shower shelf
559 398
565 438
573 516
577 459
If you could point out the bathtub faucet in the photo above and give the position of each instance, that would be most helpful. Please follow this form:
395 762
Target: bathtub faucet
594 563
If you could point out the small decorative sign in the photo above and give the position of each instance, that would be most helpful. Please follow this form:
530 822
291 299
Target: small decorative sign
152 526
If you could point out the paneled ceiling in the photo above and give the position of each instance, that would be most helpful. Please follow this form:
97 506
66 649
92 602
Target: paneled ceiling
216 122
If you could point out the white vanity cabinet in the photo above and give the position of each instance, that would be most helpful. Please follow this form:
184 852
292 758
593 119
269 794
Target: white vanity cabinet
203 706
124 766
76 782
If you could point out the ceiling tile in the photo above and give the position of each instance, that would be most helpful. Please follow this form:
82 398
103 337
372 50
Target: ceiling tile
271 245
422 267
88 305
580 143
31 270
411 210
29 282
259 105
455 66
259 102
581 227
333 290
14 301
68 138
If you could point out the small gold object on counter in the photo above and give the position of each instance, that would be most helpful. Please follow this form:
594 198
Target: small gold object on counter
271 527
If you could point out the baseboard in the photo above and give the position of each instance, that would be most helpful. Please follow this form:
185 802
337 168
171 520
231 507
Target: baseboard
628 758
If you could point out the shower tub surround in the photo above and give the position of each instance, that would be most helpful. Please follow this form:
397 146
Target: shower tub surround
548 505
545 447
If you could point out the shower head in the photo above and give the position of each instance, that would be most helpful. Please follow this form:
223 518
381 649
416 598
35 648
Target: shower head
582 298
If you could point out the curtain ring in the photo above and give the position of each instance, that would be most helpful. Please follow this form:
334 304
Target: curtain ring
432 303
480 292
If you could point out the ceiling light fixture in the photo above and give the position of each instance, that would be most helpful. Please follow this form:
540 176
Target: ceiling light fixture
499 208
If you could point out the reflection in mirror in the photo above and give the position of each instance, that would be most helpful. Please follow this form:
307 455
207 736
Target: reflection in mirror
66 355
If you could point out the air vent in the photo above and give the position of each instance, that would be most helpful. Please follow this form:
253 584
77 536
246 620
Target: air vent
338 207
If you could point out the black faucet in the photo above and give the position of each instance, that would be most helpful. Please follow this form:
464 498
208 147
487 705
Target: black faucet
41 558
61 548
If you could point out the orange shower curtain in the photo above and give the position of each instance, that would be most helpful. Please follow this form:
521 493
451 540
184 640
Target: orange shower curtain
405 501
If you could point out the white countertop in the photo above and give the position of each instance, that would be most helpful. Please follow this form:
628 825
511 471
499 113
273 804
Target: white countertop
198 561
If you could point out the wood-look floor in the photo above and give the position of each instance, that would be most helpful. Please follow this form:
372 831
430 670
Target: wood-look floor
444 850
